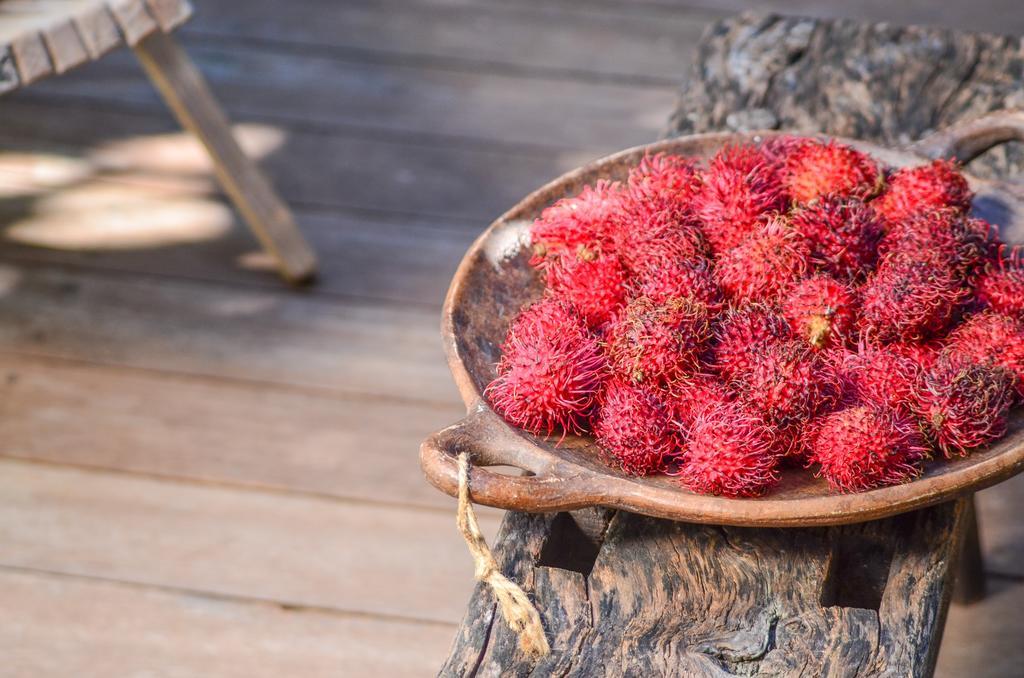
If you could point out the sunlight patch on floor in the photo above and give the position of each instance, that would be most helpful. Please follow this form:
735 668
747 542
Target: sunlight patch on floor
142 192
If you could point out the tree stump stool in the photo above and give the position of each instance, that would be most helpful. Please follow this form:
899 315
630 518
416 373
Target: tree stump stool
623 594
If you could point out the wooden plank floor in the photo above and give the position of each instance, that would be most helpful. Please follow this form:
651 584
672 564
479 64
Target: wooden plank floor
205 473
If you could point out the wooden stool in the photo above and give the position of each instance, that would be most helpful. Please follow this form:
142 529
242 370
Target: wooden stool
622 594
43 37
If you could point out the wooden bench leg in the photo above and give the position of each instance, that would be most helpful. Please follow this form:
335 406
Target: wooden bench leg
188 96
970 573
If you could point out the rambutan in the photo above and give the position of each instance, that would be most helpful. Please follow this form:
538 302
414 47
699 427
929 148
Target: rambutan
993 339
946 237
815 169
550 370
1001 287
788 383
843 233
910 190
729 452
867 446
742 332
656 232
593 282
963 404
739 191
692 395
909 300
581 221
776 149
657 343
634 428
765 265
883 374
690 279
664 176
821 311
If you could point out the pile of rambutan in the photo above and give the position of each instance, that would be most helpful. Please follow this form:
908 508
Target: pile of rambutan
786 303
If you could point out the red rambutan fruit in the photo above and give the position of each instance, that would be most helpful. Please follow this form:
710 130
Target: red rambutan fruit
992 339
1001 287
655 232
729 452
742 332
691 279
739 190
776 149
657 343
788 383
815 169
593 282
844 235
550 370
883 375
822 311
672 177
867 446
690 396
580 221
925 187
764 266
909 300
945 236
963 404
634 428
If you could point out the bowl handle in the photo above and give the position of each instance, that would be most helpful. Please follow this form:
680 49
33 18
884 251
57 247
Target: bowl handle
490 442
968 139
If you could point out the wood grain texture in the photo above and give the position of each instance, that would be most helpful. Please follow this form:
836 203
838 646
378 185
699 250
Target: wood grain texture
188 96
267 336
310 442
46 37
54 626
393 260
436 179
545 40
668 598
409 101
289 549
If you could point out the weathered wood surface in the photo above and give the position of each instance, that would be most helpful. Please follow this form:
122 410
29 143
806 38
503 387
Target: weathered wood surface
682 599
72 626
674 599
47 37
186 93
295 550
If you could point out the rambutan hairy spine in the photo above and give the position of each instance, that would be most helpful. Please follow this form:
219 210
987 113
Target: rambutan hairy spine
867 446
741 332
822 311
633 427
550 371
963 404
658 343
938 184
729 452
765 265
994 339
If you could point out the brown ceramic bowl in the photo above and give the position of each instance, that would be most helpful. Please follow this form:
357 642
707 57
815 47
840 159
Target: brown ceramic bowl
494 281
